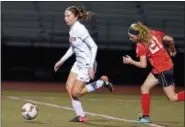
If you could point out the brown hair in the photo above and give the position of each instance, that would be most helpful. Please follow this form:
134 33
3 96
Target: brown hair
144 33
80 12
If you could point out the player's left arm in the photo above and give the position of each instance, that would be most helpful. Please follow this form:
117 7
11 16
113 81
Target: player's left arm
93 47
86 38
170 41
90 42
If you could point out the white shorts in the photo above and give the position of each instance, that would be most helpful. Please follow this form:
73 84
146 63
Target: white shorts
82 72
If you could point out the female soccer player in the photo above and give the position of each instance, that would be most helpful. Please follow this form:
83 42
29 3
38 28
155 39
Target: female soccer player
85 49
149 45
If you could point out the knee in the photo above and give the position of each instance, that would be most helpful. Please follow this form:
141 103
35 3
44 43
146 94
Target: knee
145 89
75 95
68 87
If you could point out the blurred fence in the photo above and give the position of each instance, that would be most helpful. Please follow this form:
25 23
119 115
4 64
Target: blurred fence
36 64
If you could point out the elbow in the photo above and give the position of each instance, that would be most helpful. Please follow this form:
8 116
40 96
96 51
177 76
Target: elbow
95 47
168 39
144 65
171 39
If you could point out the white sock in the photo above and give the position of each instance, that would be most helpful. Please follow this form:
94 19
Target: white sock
94 85
77 106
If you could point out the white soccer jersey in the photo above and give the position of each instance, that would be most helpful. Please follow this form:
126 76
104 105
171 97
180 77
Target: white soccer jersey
85 49
78 33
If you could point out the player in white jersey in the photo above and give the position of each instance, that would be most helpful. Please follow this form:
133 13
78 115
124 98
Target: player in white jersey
83 70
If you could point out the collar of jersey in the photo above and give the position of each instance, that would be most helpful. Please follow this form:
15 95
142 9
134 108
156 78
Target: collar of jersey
74 24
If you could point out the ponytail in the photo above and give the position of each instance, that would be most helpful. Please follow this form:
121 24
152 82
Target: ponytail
80 12
84 14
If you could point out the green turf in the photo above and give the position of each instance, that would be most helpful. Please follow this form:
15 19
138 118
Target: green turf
163 112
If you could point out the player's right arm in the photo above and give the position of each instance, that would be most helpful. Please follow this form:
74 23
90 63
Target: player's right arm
142 63
68 54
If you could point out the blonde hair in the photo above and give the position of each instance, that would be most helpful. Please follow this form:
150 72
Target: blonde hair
144 32
80 12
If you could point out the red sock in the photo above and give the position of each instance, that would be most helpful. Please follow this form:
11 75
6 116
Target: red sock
180 96
145 103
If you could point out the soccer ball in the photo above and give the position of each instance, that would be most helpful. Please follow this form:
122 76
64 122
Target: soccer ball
29 111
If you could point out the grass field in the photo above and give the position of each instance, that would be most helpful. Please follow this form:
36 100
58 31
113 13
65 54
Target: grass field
54 110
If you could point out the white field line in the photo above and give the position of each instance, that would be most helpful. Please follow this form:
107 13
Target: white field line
89 113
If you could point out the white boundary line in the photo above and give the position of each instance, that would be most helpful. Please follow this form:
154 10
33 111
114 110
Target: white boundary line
89 113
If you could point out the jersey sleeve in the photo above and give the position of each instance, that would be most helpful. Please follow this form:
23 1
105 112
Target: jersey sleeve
90 42
83 33
159 33
140 50
68 54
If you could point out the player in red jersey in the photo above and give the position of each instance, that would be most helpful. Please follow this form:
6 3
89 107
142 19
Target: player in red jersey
149 45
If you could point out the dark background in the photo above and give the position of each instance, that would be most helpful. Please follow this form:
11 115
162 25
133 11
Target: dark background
34 37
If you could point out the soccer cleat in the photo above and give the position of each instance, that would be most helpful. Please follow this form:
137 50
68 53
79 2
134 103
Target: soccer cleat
79 119
107 84
75 119
82 119
144 120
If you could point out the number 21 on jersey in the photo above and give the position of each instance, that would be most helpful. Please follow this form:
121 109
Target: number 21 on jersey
155 45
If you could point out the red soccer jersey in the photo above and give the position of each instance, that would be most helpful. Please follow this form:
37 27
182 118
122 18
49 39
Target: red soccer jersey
156 53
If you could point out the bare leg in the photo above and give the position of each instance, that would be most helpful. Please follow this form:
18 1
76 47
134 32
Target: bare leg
76 90
76 104
69 84
171 94
149 83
